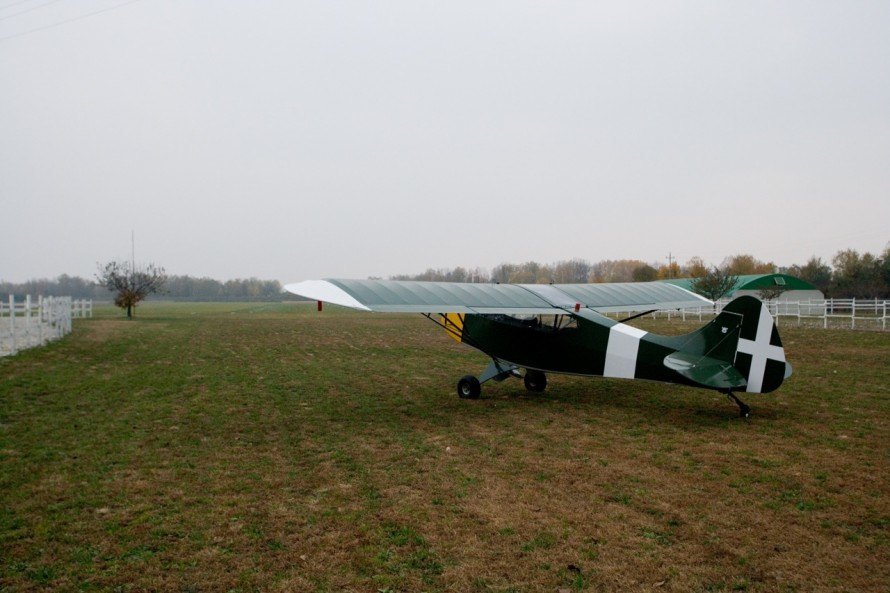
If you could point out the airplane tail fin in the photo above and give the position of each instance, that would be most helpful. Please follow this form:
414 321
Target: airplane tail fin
739 350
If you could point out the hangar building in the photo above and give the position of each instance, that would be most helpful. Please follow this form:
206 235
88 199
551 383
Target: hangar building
796 289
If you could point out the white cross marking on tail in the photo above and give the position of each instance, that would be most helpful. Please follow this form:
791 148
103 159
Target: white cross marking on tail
760 350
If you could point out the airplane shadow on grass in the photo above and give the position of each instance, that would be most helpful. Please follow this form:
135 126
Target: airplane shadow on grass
684 406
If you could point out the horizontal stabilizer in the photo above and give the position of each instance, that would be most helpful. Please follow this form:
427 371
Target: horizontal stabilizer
705 371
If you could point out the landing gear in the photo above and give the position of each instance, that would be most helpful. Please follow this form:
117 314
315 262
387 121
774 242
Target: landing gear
535 381
744 410
469 387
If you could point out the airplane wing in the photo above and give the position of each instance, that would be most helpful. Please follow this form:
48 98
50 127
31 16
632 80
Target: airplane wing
512 299
633 296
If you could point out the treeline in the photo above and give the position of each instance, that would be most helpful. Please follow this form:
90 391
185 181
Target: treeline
64 285
851 274
575 271
207 289
177 288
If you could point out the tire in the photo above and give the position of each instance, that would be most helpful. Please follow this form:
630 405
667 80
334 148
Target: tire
535 381
469 388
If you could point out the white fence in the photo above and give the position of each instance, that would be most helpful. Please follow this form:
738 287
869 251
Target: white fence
829 313
28 323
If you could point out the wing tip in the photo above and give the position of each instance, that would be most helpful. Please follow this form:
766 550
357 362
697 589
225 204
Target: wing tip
323 290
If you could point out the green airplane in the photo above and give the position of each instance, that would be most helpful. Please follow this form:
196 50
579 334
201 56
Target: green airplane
529 330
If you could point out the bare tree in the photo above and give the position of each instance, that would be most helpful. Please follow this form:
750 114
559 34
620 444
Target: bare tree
771 292
715 283
573 271
131 284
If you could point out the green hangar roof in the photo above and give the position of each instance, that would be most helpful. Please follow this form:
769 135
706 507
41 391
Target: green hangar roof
754 282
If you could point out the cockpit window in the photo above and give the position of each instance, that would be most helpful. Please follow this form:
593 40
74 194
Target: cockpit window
540 322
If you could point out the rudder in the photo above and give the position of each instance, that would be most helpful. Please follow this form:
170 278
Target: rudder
759 355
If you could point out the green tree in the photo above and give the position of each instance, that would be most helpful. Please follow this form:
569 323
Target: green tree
645 273
857 276
885 269
815 271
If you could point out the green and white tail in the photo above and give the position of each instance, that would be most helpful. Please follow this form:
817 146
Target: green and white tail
740 350
759 356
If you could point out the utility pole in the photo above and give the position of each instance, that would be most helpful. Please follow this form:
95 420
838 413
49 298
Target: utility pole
670 259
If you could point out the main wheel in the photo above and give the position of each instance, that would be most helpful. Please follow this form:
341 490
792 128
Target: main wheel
469 388
535 381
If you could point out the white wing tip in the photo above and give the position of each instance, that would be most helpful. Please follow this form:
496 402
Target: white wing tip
322 290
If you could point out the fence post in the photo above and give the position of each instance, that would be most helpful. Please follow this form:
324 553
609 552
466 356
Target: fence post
12 322
40 318
27 320
853 314
57 313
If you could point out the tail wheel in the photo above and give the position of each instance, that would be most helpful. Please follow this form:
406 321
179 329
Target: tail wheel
535 381
469 388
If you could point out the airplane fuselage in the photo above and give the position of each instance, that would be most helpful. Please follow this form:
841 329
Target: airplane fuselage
738 350
600 347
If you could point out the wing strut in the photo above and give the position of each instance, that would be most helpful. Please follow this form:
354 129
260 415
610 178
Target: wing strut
626 319
451 330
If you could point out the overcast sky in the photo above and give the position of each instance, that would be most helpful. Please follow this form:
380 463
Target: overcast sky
294 140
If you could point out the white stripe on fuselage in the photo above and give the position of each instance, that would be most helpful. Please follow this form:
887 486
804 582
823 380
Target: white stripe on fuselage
621 351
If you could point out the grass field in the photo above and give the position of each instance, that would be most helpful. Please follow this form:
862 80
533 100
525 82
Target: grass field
209 447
